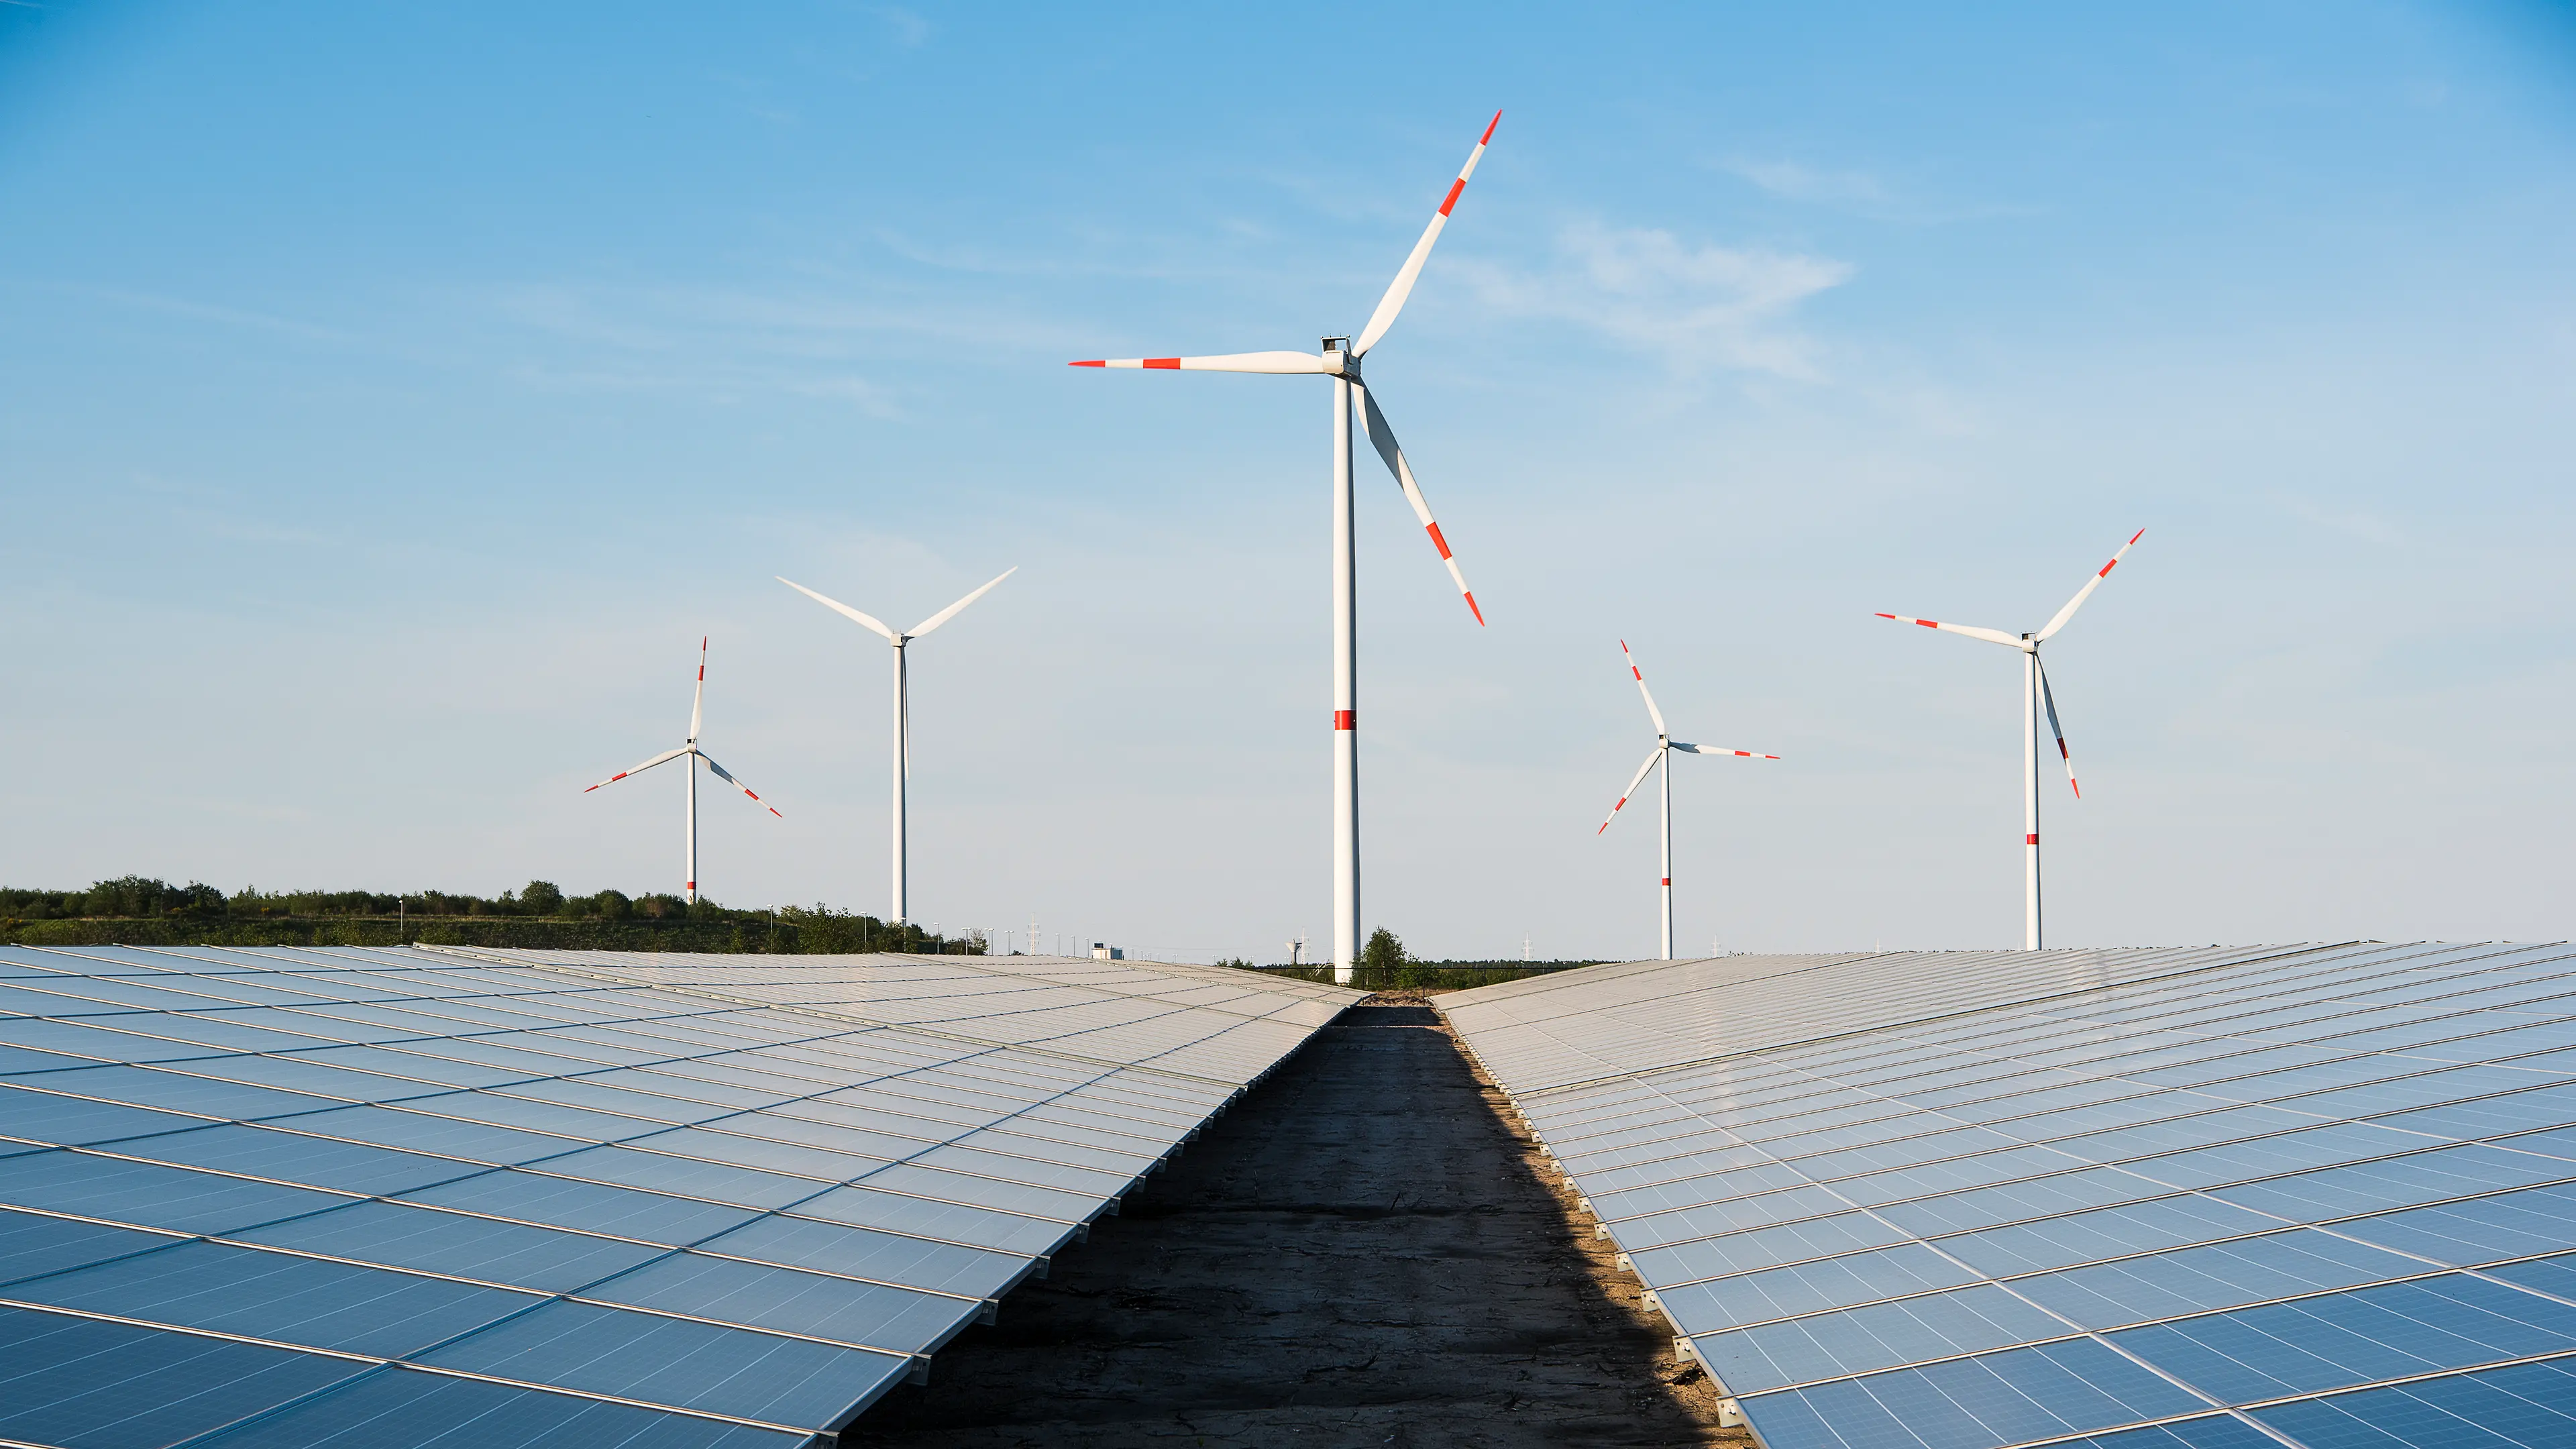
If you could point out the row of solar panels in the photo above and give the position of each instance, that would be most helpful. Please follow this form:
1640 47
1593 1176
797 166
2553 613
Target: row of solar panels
256 1197
2319 1197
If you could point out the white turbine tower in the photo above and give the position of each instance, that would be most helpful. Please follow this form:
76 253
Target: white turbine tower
1665 744
902 706
1340 361
697 711
2036 698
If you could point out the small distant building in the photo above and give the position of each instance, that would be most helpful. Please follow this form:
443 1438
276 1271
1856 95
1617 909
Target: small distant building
1101 951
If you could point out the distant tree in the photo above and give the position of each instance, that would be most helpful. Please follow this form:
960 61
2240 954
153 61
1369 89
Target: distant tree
541 898
612 905
1382 959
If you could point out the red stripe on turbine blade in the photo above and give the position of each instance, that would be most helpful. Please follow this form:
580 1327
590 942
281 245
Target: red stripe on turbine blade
1346 719
2106 569
774 811
1094 362
2078 789
1889 616
1437 541
1489 127
1163 362
1455 187
1472 609
1929 623
2061 751
2141 533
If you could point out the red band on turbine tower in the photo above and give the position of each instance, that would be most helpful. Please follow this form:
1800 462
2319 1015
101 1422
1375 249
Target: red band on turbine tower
1346 719
1668 880
2030 840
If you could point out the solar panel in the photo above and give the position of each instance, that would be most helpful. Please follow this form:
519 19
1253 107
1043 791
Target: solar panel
2170 1199
495 1197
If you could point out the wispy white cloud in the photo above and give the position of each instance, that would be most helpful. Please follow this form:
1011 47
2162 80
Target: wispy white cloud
714 380
909 28
1696 305
1806 183
228 316
2361 523
1859 193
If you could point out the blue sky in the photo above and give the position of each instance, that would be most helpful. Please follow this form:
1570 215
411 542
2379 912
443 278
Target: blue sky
392 396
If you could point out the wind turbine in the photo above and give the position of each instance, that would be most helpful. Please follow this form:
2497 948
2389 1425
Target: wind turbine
902 705
1665 744
1340 361
697 711
2036 697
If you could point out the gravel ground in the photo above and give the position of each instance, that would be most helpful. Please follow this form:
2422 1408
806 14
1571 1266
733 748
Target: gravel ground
1364 1251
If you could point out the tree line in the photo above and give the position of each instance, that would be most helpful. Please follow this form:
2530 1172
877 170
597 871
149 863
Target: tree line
1386 965
142 910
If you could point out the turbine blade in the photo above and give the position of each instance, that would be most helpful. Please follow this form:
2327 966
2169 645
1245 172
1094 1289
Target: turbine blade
1381 436
2048 697
698 704
1402 286
2090 585
1634 672
1643 771
1228 362
727 776
663 758
837 606
944 615
1991 636
1722 750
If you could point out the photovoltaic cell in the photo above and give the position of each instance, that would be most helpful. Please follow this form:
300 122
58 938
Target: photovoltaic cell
86 1384
400 1408
427 1197
2395 1330
2246 1184
2529 1406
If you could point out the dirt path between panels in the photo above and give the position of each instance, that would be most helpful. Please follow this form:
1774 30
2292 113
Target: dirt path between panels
1362 1252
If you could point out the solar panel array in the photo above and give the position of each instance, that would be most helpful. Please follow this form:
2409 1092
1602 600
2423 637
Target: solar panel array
489 1198
2218 1199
